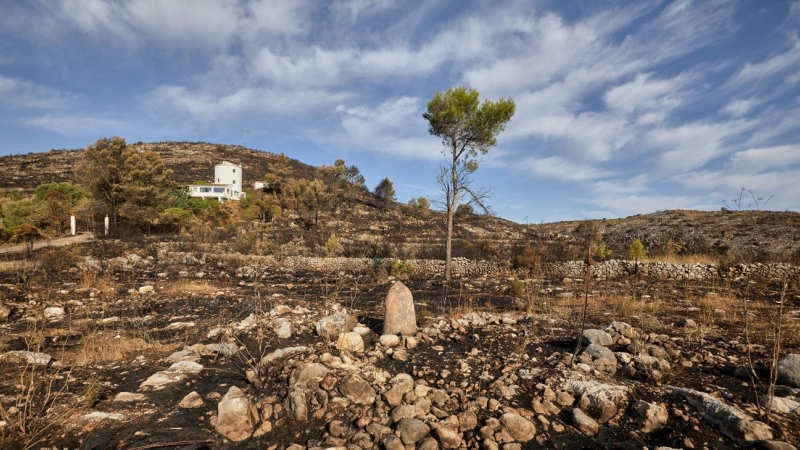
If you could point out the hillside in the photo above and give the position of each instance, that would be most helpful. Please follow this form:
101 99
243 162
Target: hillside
752 236
190 161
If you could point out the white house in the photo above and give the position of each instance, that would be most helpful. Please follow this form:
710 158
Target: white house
227 184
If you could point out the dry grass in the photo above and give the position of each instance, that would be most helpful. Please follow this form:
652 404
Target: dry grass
191 287
104 347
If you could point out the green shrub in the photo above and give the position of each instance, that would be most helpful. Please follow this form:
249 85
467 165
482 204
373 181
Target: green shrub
518 288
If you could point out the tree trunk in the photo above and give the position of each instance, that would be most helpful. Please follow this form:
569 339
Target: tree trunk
448 277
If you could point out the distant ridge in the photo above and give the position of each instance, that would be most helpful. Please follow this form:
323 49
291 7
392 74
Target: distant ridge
190 161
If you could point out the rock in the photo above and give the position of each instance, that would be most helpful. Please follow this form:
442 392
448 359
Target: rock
330 327
732 422
99 415
405 412
518 427
412 430
5 311
623 357
280 310
783 405
584 423
400 317
297 407
651 416
603 359
771 445
191 400
283 328
622 329
236 415
448 437
351 342
224 348
282 354
389 340
378 430
596 337
789 370
357 390
306 372
35 358
174 373
604 402
392 442
401 383
147 289
128 397
428 443
54 313
467 421
688 323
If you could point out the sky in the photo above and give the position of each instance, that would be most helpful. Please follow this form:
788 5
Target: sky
621 107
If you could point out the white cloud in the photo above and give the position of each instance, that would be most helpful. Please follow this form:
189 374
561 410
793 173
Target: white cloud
25 94
756 160
393 127
562 169
645 93
78 125
755 72
740 107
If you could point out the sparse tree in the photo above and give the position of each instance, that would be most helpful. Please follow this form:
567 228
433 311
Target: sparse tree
467 129
100 172
124 179
636 250
144 186
385 193
279 173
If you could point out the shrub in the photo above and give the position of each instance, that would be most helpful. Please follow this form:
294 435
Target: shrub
518 288
333 247
399 269
636 250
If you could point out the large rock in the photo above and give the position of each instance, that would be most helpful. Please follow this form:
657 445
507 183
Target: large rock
412 430
330 327
54 313
448 437
33 358
236 415
401 384
306 372
651 416
789 370
603 358
352 342
518 427
597 337
604 402
298 408
282 354
584 423
400 317
732 422
357 390
783 405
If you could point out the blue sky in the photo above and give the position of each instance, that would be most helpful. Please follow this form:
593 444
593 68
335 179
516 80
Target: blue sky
622 107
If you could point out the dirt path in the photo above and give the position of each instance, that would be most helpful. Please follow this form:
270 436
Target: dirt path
59 242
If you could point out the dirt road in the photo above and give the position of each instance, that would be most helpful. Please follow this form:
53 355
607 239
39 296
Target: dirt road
59 242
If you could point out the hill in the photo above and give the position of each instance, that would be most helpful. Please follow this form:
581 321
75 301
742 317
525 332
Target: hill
190 161
752 236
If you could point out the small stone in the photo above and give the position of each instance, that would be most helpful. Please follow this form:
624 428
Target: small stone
351 342
191 400
518 427
389 340
129 397
584 423
597 337
412 430
54 313
651 416
147 289
448 437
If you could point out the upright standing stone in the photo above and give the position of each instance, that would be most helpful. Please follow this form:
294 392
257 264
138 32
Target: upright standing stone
400 317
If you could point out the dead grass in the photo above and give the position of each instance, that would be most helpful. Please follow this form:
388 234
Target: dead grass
104 347
191 287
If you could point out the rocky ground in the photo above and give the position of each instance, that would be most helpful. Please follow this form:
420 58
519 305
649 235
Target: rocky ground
135 353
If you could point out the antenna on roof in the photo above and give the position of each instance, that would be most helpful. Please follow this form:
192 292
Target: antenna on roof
244 136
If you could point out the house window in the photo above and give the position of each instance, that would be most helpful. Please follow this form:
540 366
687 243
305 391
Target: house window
219 190
234 181
205 189
234 170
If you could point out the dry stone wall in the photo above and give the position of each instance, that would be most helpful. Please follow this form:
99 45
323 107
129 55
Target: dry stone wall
465 268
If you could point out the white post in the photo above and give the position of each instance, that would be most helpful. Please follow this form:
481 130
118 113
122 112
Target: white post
72 226
106 222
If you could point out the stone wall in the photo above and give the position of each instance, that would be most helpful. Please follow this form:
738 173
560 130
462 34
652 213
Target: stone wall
470 269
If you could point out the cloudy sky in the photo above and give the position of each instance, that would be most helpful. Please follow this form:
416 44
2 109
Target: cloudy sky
622 107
